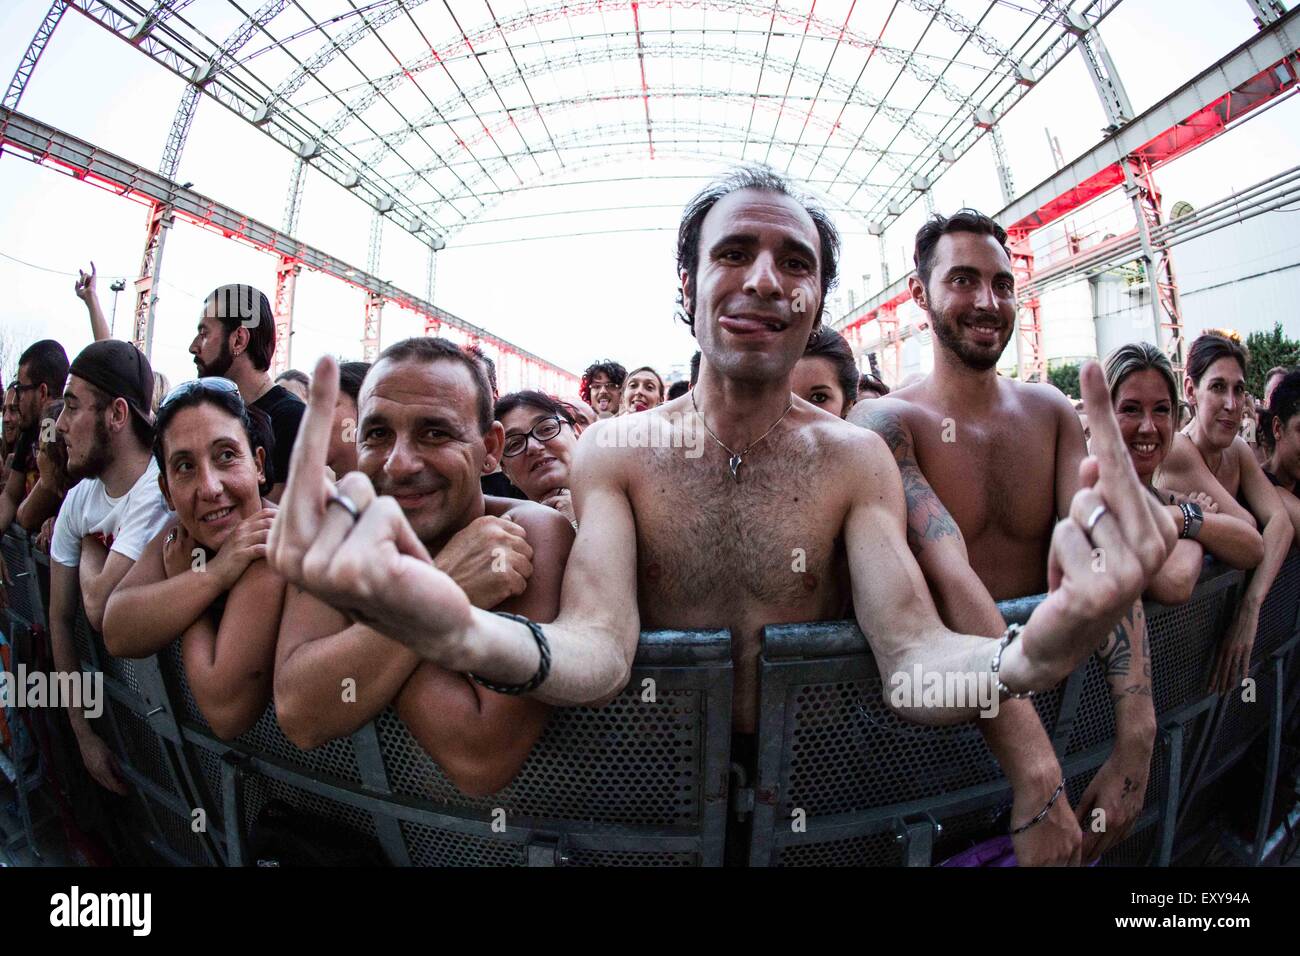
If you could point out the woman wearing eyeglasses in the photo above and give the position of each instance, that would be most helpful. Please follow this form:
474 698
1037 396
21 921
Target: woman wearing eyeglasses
540 441
203 579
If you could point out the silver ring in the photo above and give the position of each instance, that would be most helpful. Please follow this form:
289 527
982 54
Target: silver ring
1094 518
346 503
171 536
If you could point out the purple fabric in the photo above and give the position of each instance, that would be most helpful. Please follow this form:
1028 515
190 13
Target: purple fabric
993 852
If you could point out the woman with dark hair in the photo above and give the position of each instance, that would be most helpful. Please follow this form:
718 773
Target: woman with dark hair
1209 456
1144 394
826 375
642 389
539 447
1283 465
203 579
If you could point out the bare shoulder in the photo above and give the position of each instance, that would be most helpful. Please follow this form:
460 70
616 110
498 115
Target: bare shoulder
538 521
1181 455
857 444
1040 398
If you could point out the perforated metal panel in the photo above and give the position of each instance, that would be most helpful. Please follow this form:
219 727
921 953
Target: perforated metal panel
1094 720
847 751
178 688
259 790
1277 614
630 858
334 759
1136 849
1243 720
124 671
23 593
879 849
961 831
209 765
82 639
430 846
144 748
1183 646
633 761
178 833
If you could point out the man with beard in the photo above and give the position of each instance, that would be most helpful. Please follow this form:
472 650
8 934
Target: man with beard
42 372
111 514
760 529
425 435
236 340
601 387
989 465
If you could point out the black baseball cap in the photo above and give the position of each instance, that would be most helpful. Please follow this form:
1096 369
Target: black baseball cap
121 370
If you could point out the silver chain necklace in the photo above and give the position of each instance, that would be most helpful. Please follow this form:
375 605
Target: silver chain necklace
737 457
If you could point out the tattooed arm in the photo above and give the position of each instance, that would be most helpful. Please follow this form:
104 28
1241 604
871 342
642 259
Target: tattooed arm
1015 736
1113 800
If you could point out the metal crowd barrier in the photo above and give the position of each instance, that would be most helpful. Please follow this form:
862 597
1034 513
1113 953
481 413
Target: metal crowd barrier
644 781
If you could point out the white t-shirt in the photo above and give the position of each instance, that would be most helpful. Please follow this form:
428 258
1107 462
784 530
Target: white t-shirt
124 524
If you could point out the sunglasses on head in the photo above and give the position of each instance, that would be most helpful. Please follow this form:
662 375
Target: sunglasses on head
211 383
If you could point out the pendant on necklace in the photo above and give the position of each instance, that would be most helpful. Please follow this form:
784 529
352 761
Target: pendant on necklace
736 462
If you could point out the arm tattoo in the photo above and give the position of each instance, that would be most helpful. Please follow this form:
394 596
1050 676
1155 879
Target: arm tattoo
1116 656
927 518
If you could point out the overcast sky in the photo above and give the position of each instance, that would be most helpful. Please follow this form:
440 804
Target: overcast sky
524 275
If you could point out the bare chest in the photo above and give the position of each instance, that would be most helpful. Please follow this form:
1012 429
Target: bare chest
997 478
713 551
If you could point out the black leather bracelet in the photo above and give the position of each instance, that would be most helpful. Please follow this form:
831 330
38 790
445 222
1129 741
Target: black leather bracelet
543 665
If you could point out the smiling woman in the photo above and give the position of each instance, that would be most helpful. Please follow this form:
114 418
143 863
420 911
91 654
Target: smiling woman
203 578
540 442
642 389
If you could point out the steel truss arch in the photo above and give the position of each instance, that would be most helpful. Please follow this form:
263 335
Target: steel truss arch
633 146
502 28
621 140
184 118
438 114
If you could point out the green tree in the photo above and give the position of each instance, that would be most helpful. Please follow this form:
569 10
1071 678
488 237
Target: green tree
1066 378
1267 350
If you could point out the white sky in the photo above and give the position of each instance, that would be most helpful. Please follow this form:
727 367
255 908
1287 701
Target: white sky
568 299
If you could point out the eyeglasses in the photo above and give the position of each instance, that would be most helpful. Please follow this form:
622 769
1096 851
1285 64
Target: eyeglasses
543 431
209 383
19 387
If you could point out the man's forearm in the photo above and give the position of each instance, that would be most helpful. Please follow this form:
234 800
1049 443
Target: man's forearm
588 665
424 609
40 503
1126 660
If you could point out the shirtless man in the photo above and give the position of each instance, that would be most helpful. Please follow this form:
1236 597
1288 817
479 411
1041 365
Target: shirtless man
425 434
667 540
989 465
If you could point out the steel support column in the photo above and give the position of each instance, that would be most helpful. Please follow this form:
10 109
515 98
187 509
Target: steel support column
374 301
1005 181
286 285
1267 11
293 201
1139 186
1029 327
891 344
161 217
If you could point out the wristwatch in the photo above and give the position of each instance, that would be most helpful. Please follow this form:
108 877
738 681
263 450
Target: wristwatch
1193 518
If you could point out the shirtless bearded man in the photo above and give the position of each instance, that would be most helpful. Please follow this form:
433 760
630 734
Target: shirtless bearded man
989 465
671 539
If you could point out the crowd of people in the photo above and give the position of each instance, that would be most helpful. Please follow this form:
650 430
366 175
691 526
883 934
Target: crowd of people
400 534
